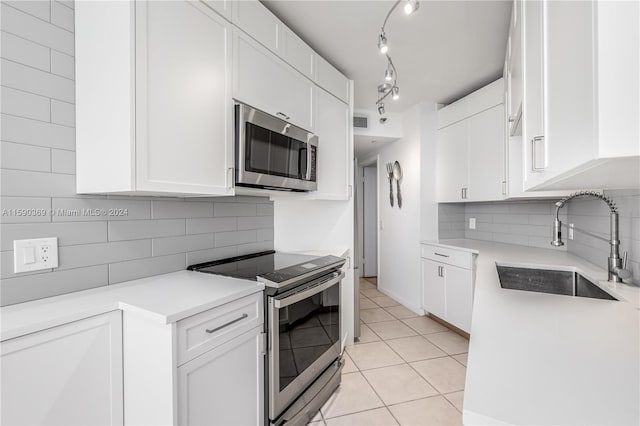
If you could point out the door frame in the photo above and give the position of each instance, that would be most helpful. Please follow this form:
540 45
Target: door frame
370 161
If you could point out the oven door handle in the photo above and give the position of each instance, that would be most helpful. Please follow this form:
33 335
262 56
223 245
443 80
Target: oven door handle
318 288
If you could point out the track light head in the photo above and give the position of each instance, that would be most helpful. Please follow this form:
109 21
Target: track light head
396 93
411 6
381 108
382 44
388 74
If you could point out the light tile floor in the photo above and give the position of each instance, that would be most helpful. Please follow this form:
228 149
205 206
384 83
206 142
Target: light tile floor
404 370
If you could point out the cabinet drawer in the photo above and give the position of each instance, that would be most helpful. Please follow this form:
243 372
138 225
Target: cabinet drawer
202 332
449 256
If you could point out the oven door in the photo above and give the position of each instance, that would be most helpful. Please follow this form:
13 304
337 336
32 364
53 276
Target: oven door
304 338
272 153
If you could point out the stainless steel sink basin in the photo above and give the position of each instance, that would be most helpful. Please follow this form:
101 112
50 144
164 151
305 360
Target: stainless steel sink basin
568 283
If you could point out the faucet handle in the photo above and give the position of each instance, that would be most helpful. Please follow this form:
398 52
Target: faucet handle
622 272
624 259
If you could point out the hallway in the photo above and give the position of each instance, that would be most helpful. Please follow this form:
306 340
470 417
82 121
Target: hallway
405 369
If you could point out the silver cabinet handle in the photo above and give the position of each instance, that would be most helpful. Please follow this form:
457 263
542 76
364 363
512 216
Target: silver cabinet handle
283 115
440 254
441 271
537 154
213 330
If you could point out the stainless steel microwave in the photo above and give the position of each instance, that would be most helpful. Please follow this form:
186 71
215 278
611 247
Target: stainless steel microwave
272 153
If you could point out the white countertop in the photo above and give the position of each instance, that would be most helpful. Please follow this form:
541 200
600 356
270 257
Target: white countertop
537 358
166 298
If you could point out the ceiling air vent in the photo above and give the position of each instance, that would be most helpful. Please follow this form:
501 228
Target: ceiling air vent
361 122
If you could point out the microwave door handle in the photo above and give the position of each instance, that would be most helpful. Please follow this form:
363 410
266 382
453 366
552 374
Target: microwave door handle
282 303
308 174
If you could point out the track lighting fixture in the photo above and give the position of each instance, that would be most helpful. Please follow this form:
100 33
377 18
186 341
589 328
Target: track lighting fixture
388 74
411 6
396 93
390 87
382 43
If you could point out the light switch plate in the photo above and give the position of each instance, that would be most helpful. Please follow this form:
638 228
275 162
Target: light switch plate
35 254
472 223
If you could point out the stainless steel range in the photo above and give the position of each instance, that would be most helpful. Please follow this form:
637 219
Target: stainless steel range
302 322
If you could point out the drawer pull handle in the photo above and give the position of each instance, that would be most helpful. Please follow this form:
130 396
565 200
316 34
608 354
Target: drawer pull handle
440 254
213 330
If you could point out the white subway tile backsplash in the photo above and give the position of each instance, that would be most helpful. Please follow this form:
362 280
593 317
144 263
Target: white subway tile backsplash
24 157
38 8
31 28
31 132
138 229
91 209
235 238
62 16
23 51
63 113
68 3
37 81
25 209
63 161
200 256
258 222
181 209
97 254
181 244
254 247
103 239
264 209
22 289
68 233
234 209
36 184
134 269
63 64
213 224
522 240
24 104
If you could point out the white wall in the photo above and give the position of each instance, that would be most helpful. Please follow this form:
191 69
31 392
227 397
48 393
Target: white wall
428 206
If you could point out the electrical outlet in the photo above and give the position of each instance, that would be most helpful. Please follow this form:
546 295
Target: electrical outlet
34 255
472 223
571 231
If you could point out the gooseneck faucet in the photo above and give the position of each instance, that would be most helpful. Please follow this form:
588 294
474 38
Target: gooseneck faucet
616 265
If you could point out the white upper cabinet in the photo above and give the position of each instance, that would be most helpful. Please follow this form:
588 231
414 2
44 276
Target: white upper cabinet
334 148
470 147
267 83
297 53
332 80
581 100
257 21
154 107
513 71
223 7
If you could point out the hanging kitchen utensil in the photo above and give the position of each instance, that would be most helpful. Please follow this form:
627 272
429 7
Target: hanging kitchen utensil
390 176
397 175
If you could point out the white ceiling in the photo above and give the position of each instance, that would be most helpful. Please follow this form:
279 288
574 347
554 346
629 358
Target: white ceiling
444 51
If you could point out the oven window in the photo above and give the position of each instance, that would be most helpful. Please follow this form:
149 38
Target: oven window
274 153
308 329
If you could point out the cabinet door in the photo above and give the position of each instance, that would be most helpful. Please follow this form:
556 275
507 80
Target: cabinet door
535 154
514 67
70 374
297 53
459 296
183 102
452 165
433 292
265 82
486 155
225 385
255 19
334 159
223 7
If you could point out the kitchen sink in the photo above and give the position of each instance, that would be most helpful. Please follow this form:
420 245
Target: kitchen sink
568 283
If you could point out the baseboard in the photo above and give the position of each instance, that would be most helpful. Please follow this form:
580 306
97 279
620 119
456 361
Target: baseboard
417 309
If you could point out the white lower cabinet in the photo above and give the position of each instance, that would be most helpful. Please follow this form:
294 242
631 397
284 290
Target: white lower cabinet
448 285
225 385
70 374
206 369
